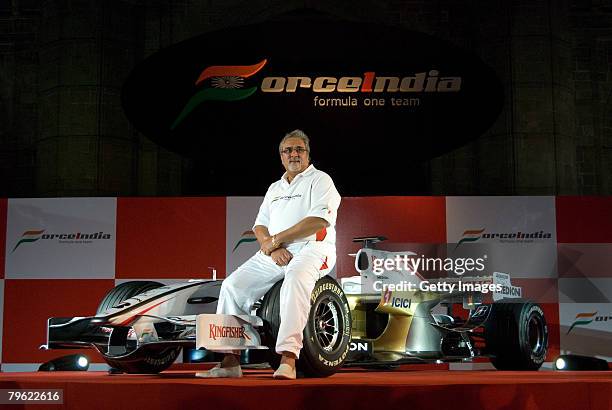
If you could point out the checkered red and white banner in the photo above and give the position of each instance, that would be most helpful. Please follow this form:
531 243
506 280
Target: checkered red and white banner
584 246
61 255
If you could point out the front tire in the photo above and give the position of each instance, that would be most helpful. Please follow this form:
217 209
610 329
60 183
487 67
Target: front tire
516 336
124 291
153 361
327 334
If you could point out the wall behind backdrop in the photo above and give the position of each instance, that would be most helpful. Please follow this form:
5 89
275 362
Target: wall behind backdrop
564 265
63 63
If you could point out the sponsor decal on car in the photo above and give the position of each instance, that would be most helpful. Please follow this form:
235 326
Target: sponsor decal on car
235 332
401 302
359 346
359 349
504 288
227 331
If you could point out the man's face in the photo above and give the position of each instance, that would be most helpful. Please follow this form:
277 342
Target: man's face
294 162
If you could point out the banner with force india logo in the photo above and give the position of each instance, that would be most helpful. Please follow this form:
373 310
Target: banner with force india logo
241 242
60 238
515 235
586 328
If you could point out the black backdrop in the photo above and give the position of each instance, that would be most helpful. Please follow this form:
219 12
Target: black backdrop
367 150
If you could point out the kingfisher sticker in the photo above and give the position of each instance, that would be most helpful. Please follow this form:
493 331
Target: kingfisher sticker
227 331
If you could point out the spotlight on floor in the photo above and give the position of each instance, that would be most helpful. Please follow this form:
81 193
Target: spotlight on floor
577 362
73 362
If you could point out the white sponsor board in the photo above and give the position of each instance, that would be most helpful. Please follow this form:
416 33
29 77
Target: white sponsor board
61 238
223 332
586 328
241 243
516 234
585 260
585 290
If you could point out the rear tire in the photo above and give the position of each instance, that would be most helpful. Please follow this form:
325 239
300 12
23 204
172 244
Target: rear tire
269 311
516 335
327 334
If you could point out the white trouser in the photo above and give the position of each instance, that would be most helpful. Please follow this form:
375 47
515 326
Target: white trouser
251 281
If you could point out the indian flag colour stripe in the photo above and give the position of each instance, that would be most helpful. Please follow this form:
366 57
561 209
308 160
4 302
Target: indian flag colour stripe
470 236
212 94
246 237
587 318
220 94
231 70
33 232
473 232
28 236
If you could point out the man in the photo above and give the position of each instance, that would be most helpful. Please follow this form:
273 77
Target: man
295 231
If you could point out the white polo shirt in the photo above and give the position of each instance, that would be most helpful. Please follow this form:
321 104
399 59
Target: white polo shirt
310 193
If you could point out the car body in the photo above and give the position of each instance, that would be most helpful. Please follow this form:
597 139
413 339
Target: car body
365 321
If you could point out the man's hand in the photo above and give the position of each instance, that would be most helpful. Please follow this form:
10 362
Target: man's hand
281 256
268 245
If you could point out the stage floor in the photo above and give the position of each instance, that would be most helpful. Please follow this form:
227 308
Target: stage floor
351 388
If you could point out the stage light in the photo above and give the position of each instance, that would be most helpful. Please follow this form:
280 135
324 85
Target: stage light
197 355
82 362
73 362
577 362
560 364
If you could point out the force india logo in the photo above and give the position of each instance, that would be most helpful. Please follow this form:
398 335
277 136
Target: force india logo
246 237
583 319
227 83
232 332
76 237
473 235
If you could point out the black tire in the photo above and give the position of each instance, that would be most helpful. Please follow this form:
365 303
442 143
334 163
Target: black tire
516 335
124 291
153 361
323 353
269 311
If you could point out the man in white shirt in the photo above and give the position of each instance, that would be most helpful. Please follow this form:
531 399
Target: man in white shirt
295 228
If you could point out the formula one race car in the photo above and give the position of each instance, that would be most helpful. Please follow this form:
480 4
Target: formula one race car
381 318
